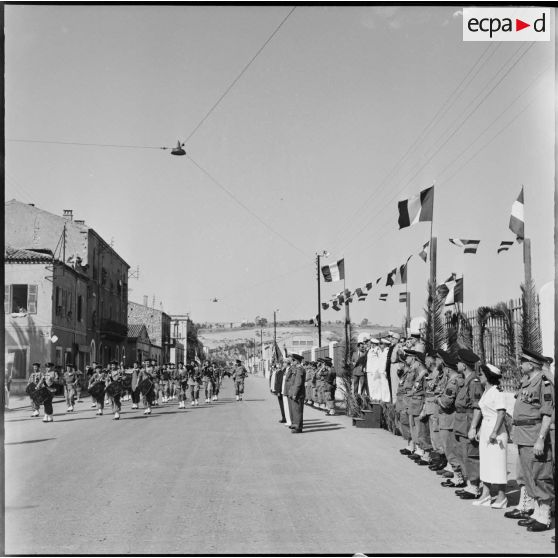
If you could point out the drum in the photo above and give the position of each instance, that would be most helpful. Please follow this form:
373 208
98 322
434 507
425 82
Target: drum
41 395
144 387
127 382
30 388
114 389
97 390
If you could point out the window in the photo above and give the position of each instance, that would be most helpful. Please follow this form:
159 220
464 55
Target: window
20 298
19 365
79 308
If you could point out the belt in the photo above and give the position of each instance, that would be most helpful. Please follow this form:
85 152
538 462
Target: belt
464 410
430 394
526 422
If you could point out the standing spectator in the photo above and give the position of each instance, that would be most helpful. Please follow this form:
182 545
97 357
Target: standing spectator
275 384
493 438
32 383
359 369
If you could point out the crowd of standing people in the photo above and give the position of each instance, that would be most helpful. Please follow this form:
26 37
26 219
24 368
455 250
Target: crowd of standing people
147 383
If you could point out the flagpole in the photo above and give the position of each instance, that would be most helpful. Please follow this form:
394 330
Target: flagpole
433 255
526 247
347 317
319 303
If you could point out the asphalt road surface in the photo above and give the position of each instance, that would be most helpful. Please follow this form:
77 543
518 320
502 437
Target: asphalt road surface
228 478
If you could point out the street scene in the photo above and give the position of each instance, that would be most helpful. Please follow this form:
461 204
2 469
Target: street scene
279 280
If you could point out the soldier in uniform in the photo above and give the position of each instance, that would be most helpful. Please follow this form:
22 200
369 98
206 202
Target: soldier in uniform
275 384
402 418
194 382
149 373
134 373
330 385
182 381
359 369
320 384
311 371
34 378
115 375
411 365
49 379
434 364
285 387
207 381
238 376
70 381
450 386
296 394
532 413
98 376
466 406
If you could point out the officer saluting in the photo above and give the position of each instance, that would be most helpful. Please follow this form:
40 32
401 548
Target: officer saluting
532 413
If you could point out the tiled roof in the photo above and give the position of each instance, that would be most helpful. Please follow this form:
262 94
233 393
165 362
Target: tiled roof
21 255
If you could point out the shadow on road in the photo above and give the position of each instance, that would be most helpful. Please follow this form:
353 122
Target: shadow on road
312 429
28 441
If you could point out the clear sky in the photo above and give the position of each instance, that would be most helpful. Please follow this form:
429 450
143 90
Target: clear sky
345 111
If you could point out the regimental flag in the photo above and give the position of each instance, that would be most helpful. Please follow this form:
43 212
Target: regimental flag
325 305
469 246
397 276
403 297
368 286
334 271
451 290
417 208
361 295
505 245
517 219
335 306
423 253
277 355
383 297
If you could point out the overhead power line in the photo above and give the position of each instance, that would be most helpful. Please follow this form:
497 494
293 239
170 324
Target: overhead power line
237 78
87 144
244 206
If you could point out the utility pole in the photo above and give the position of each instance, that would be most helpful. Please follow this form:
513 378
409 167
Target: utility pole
318 256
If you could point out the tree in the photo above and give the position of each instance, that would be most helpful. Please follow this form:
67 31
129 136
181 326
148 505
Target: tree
364 322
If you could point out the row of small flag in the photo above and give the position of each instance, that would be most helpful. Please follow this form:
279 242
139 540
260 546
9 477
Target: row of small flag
471 246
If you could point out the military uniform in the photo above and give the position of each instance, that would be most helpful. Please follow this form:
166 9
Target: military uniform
34 378
70 381
431 412
98 377
448 392
466 401
275 386
416 407
238 376
309 384
534 401
401 416
330 385
296 395
49 379
285 387
194 382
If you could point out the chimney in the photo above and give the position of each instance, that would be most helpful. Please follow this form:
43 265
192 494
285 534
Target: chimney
145 298
68 214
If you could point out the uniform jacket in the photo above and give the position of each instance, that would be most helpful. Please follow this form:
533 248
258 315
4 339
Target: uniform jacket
466 401
418 391
277 381
297 390
450 387
239 373
534 399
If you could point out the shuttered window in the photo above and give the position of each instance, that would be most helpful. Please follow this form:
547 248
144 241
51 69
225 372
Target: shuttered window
20 299
32 299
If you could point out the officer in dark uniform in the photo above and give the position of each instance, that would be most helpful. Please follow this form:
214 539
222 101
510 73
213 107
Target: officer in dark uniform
275 385
446 400
296 393
401 417
532 413
466 405
285 388
434 364
413 406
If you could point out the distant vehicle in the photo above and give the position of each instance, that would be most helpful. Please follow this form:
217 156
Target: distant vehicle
214 300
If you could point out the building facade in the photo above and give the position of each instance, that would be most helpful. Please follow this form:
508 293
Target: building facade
45 313
73 242
158 326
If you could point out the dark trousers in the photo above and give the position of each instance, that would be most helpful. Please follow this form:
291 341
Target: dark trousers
135 396
297 412
115 401
48 406
538 472
468 457
281 407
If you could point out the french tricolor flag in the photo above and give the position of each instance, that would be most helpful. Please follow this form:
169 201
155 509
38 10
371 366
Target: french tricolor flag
415 209
334 271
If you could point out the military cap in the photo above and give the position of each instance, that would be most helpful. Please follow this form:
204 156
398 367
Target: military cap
468 357
449 360
384 340
37 364
415 335
417 350
297 357
374 340
328 361
533 356
49 364
98 367
319 359
395 335
491 369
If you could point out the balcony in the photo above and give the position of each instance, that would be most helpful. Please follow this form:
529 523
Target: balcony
111 329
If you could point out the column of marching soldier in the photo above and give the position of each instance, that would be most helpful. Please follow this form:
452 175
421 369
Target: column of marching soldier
148 382
451 410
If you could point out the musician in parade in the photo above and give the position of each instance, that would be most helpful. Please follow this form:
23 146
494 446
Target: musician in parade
182 384
45 390
207 381
34 378
70 381
114 388
147 385
96 387
194 383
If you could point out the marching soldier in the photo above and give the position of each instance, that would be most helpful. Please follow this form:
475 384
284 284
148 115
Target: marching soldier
114 388
96 388
532 413
194 382
446 400
238 376
207 381
49 379
466 406
182 381
149 397
32 382
70 381
296 394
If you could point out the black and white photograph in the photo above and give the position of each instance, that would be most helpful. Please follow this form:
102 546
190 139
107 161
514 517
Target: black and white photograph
279 279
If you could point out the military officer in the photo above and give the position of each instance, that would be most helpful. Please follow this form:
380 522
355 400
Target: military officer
275 386
532 413
359 369
330 385
466 406
296 393
402 418
434 364
311 371
411 365
34 378
446 400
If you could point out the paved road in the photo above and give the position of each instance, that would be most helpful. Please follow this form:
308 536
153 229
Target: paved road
227 478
